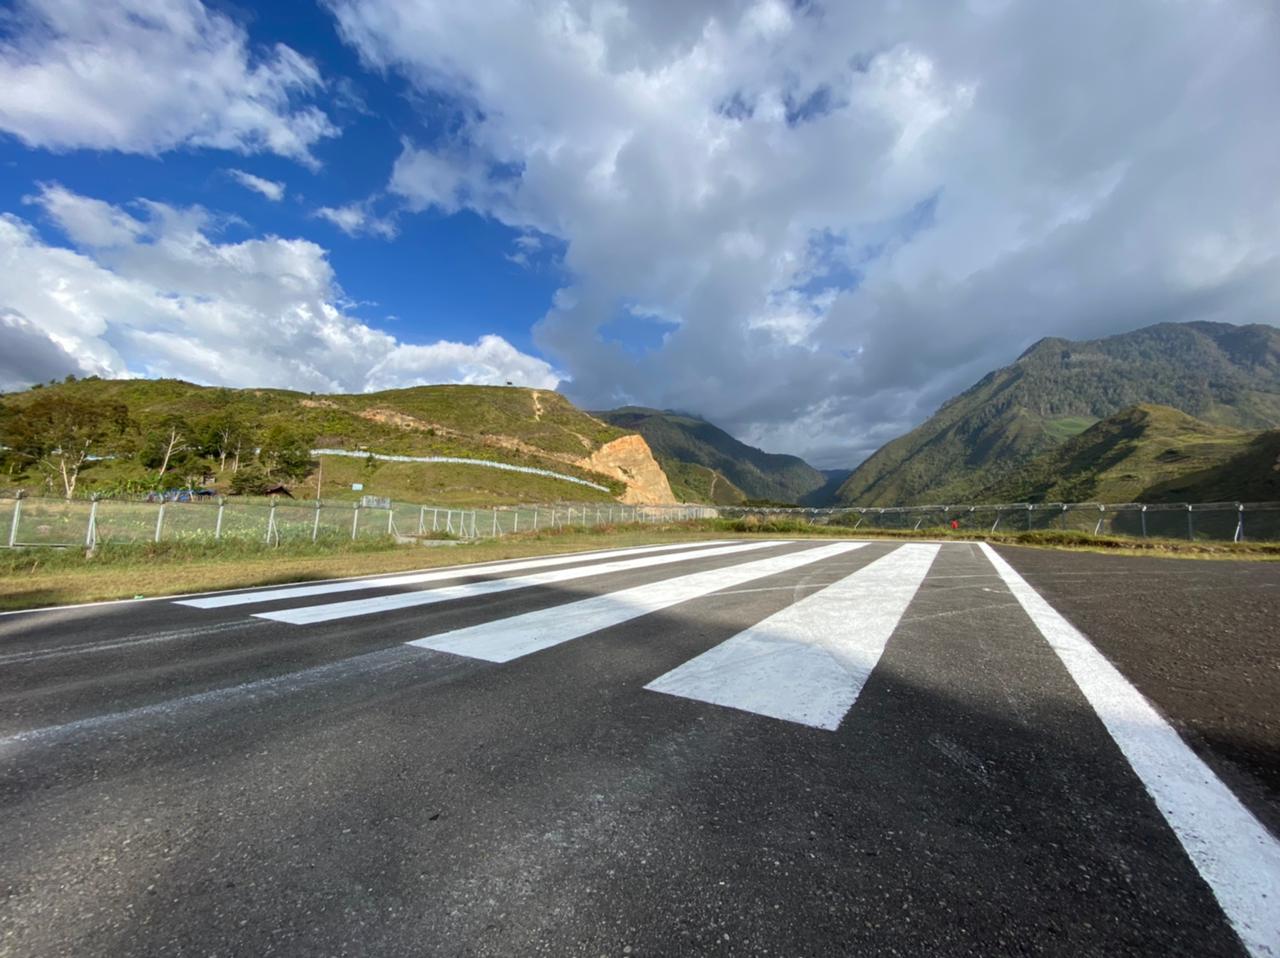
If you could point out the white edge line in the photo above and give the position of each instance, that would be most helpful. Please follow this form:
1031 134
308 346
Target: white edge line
1235 854
177 596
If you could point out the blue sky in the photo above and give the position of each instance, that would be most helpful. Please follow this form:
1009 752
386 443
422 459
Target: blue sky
810 223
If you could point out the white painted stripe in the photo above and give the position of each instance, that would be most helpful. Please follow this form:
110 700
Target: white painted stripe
520 635
436 575
1234 853
809 662
310 614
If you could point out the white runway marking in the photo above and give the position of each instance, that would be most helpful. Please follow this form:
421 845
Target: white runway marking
307 615
436 575
520 635
1234 853
809 662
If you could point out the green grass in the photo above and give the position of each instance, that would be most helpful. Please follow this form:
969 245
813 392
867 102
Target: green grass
34 578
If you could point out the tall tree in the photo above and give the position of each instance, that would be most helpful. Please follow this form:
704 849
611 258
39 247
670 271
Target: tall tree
60 435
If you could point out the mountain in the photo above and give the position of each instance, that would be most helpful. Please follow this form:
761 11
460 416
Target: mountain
1221 374
1146 453
680 441
215 430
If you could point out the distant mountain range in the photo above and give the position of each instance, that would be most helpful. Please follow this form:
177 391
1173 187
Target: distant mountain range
1024 432
706 464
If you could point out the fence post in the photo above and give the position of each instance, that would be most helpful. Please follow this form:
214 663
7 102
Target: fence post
535 518
217 526
1144 522
1191 524
1239 536
17 516
1029 508
160 520
1064 517
391 521
422 519
355 521
1102 516
315 523
495 522
271 522
515 520
91 534
996 523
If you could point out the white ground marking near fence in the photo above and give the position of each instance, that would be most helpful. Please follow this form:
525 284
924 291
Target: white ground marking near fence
521 635
436 575
1234 853
310 614
809 662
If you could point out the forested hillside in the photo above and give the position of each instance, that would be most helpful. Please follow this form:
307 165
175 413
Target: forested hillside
984 438
132 436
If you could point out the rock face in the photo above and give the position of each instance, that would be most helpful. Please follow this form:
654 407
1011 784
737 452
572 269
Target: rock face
630 459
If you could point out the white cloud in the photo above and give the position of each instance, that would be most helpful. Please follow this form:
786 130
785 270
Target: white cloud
271 189
146 76
358 219
158 295
850 211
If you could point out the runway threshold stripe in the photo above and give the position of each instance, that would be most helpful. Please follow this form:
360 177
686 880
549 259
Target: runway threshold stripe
809 662
1234 853
520 635
311 614
453 572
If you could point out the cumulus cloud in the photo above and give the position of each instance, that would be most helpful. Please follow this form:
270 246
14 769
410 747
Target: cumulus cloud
271 189
359 219
844 213
151 291
146 76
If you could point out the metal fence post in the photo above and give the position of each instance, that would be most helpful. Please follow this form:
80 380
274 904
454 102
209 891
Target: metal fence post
422 519
91 534
535 518
1029 508
1102 516
1239 536
435 516
1144 522
515 521
355 521
315 523
160 521
271 521
217 525
1191 523
495 522
17 517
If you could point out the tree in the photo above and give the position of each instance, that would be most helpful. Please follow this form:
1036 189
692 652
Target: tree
61 435
285 453
168 442
221 436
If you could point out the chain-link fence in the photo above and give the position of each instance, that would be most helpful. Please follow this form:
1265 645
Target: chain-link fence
36 521
1208 521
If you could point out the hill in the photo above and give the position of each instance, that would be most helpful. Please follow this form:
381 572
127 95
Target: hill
677 439
1142 454
1221 374
213 434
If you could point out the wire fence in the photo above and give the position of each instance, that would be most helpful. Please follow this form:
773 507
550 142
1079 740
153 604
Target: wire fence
27 521
1207 521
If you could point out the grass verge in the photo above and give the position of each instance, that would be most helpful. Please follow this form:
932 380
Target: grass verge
34 578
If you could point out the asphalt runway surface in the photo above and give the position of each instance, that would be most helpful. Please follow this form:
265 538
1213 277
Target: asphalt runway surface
736 748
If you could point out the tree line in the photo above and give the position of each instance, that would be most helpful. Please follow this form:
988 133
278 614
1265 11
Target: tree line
58 437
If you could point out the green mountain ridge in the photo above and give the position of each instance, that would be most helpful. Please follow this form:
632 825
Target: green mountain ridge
984 438
679 438
1148 453
512 425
